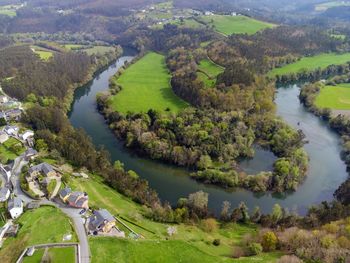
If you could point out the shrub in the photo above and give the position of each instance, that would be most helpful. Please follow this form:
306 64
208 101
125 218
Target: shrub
269 241
255 249
238 252
289 259
209 225
216 242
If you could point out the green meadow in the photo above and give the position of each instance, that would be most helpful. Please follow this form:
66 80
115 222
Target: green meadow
330 4
229 25
334 97
44 54
208 71
146 85
43 225
9 10
311 63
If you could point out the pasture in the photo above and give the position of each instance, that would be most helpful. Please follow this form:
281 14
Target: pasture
208 71
146 85
44 54
229 25
311 63
334 97
43 225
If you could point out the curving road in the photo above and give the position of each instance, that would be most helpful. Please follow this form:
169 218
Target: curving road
72 213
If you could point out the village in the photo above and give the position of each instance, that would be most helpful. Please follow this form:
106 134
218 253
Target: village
27 182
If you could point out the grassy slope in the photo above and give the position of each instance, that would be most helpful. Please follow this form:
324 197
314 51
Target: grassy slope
197 241
334 97
6 153
212 70
311 63
146 85
43 225
229 25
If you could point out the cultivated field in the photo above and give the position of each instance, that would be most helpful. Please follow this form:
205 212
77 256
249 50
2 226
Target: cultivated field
311 63
334 97
208 71
146 85
229 25
43 225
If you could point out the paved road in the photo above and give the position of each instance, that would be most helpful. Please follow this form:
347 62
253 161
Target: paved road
70 212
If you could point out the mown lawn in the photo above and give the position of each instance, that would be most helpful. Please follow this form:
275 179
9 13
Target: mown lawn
229 25
208 71
10 150
334 97
35 258
43 225
63 254
145 86
311 63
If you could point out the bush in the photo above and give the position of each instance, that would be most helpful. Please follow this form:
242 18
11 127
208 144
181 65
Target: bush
209 225
269 241
289 259
216 242
238 252
255 249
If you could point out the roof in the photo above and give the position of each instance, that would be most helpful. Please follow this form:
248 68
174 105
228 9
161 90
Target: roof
43 167
15 202
9 127
4 191
74 197
100 216
65 191
31 151
3 133
81 201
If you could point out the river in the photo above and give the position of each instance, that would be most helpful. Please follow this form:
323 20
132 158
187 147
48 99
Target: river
326 171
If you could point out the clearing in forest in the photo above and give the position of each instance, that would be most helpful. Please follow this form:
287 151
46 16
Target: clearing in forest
334 97
229 25
208 72
311 63
146 85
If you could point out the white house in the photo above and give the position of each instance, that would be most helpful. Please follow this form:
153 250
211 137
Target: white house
15 207
27 134
6 170
4 194
3 137
11 130
3 99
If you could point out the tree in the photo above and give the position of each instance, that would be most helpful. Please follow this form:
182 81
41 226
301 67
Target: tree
209 225
256 215
269 241
198 202
244 211
204 162
255 249
277 213
225 212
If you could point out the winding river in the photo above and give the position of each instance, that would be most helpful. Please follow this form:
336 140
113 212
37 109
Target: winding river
326 171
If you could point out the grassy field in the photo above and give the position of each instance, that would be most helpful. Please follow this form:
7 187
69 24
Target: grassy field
229 25
55 255
197 241
8 10
330 4
10 149
146 85
43 225
73 46
43 53
334 97
311 63
36 258
208 71
89 50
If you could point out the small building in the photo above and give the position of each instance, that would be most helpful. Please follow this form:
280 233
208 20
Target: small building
30 154
43 168
74 199
3 99
101 221
3 137
64 194
15 207
11 129
6 170
13 114
4 194
33 205
27 134
12 231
